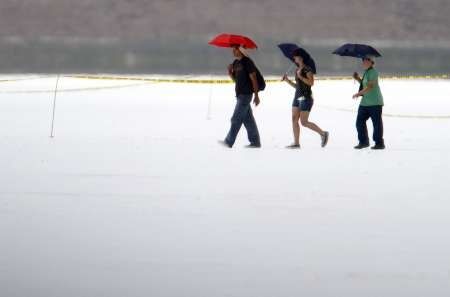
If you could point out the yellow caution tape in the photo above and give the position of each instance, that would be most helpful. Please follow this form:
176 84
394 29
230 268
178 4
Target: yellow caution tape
228 81
220 81
24 78
72 89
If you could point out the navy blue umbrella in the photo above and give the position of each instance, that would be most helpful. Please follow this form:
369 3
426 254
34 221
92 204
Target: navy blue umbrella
288 49
356 51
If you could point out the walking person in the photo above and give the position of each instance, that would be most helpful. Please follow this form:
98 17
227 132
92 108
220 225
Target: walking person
244 73
303 100
371 105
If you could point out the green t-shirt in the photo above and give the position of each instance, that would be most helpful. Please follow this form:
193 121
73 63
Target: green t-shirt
374 96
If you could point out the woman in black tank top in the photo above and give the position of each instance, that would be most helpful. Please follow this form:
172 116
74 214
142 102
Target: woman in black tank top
303 99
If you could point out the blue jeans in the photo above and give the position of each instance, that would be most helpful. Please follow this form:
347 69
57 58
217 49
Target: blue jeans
374 113
243 115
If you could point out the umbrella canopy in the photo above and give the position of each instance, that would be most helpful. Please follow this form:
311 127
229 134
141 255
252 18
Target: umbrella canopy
288 50
230 40
356 51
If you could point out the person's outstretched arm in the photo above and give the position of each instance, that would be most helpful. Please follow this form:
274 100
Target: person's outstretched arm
372 82
290 82
367 89
255 87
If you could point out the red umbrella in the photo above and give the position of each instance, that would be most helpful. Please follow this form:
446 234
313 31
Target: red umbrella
229 40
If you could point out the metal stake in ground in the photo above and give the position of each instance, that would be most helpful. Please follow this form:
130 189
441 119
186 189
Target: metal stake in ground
54 106
208 113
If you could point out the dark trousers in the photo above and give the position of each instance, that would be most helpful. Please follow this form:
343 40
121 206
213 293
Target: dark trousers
243 115
374 113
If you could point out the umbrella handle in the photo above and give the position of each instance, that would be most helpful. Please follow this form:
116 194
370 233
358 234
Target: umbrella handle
290 69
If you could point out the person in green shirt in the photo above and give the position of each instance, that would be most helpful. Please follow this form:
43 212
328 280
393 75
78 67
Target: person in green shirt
371 105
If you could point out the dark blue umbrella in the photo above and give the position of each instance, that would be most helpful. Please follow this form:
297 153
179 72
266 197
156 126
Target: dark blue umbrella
288 49
356 51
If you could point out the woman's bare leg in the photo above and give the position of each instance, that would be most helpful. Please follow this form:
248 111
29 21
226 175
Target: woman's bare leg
296 125
304 118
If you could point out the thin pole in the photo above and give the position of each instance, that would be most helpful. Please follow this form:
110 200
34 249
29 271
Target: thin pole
54 106
208 114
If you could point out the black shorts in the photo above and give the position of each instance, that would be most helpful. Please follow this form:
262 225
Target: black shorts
303 104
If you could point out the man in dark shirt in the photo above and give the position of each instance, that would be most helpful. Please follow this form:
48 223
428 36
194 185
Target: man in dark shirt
243 73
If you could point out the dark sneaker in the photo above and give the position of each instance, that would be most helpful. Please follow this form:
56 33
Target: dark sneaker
378 146
253 145
224 143
361 146
325 138
293 146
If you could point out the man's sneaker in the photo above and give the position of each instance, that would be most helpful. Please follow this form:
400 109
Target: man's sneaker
325 138
293 146
224 143
361 146
253 145
379 146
